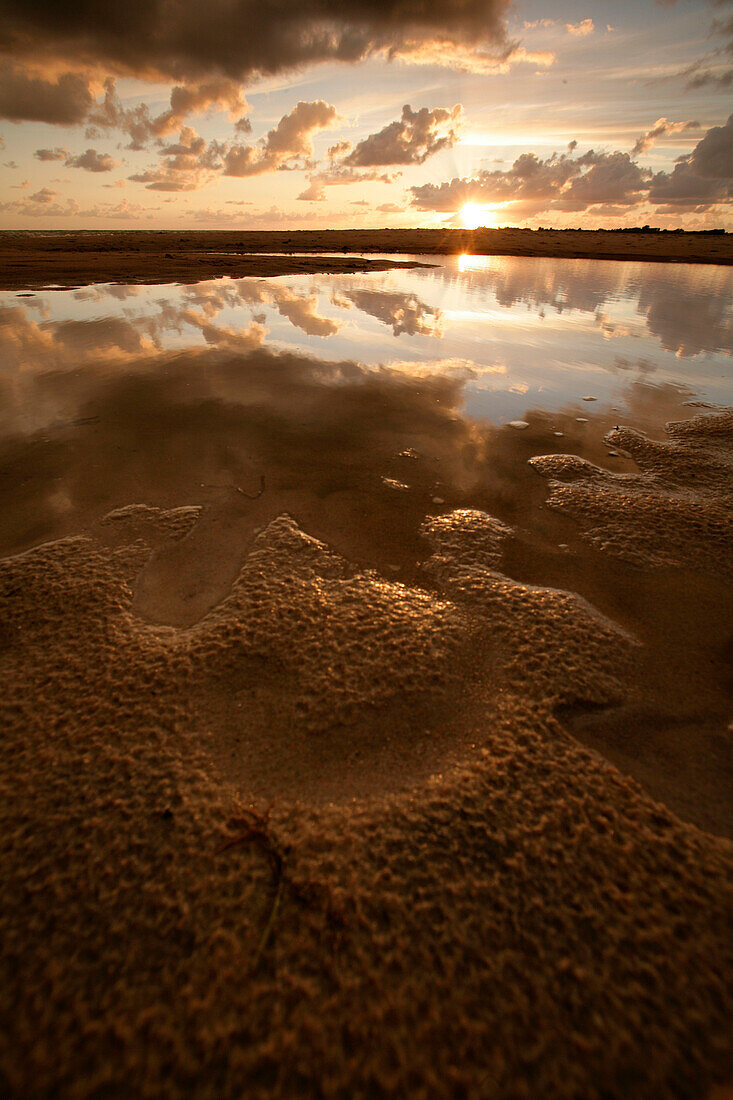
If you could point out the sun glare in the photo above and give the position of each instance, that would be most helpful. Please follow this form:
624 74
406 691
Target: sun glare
474 214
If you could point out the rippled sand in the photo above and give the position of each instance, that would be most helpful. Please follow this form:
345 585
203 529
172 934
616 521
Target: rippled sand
331 831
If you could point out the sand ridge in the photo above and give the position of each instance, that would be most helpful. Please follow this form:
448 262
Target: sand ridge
676 511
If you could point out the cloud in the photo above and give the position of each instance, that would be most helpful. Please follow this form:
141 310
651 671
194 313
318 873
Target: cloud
661 128
142 127
195 99
403 313
472 59
608 183
529 178
685 189
610 178
411 139
44 195
580 30
51 154
186 165
337 175
92 161
713 155
64 101
713 69
288 145
192 41
43 203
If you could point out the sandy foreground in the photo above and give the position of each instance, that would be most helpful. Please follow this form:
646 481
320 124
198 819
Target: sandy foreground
333 833
32 259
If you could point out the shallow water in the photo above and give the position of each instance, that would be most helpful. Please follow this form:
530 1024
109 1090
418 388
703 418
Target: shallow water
360 405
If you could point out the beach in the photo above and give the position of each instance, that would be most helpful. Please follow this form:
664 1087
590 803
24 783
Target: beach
29 259
355 745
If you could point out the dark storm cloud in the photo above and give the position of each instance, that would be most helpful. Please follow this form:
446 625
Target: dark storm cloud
189 40
64 100
411 139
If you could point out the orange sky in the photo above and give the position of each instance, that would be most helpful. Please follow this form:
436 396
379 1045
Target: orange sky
458 112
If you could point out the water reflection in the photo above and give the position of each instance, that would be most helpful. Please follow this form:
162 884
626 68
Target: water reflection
329 386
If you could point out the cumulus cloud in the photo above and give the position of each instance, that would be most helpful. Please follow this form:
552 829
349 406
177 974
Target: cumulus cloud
141 127
287 145
92 161
64 101
43 203
529 178
580 30
608 183
713 155
189 40
190 162
411 139
403 313
661 128
44 195
186 165
59 153
684 189
605 178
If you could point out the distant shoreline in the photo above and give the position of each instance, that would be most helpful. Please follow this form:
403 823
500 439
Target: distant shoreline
32 258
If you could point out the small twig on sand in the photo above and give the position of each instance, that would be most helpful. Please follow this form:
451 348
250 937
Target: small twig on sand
253 496
255 831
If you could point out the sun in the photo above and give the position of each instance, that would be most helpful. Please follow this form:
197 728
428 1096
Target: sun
474 214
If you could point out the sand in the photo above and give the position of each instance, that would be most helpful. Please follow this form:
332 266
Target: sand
332 832
352 747
32 259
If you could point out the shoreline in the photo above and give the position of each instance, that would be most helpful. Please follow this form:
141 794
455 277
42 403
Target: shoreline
30 259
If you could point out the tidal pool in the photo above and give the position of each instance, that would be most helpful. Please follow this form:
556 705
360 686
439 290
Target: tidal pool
363 405
366 676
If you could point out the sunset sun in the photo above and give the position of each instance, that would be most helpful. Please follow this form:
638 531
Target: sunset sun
474 214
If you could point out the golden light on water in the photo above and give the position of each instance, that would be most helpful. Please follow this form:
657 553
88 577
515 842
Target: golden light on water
466 262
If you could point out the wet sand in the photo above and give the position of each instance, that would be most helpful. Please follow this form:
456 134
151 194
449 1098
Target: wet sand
312 787
32 259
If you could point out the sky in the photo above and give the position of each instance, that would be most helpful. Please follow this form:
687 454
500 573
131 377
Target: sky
290 114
